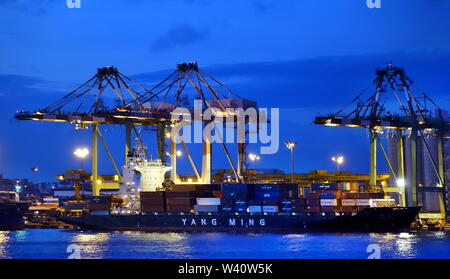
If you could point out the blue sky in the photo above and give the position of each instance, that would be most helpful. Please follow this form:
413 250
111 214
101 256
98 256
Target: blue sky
306 57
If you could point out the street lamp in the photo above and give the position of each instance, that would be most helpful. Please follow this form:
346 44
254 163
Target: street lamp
81 153
291 145
253 157
339 160
178 153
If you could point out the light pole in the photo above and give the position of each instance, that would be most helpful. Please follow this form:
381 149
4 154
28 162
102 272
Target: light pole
253 157
81 153
36 183
339 160
291 145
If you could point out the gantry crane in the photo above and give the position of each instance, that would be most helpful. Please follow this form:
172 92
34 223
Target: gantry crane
414 119
87 107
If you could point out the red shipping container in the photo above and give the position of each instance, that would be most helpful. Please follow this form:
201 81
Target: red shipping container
363 196
359 208
313 202
150 208
349 196
330 209
180 201
152 195
313 195
218 194
348 209
313 209
159 201
178 208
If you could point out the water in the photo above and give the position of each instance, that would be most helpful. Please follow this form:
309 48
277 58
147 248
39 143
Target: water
53 243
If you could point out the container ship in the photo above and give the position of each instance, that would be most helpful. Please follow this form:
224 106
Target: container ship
12 211
249 208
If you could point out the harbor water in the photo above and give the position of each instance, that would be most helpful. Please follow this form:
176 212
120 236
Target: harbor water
63 244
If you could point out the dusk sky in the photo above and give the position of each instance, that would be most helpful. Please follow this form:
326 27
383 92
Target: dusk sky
306 57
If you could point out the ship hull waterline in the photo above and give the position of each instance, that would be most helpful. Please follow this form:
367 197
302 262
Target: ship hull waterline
368 220
11 216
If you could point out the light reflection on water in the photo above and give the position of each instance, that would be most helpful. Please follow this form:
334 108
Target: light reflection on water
38 243
4 240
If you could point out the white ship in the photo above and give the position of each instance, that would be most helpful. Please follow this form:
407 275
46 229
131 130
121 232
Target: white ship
140 174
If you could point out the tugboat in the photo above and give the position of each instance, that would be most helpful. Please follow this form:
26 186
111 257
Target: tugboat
12 211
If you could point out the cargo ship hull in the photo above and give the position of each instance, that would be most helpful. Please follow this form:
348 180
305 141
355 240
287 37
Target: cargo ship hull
369 219
11 216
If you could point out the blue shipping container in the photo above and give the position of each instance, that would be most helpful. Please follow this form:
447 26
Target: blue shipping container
324 187
327 196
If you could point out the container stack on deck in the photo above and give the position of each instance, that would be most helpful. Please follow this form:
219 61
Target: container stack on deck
258 198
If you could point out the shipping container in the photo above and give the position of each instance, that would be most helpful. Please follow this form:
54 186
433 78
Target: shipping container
208 201
218 194
178 208
363 202
312 195
349 195
324 186
98 206
99 199
270 208
152 195
254 209
227 201
226 208
100 212
328 195
152 208
159 201
363 195
270 202
286 209
275 195
329 202
178 194
348 202
240 187
379 195
240 202
254 202
348 209
313 209
242 195
313 202
331 209
206 208
75 206
286 202
180 201
240 208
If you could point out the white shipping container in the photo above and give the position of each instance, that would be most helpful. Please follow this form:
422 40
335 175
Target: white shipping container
206 208
208 201
328 202
363 202
254 209
348 202
271 208
382 202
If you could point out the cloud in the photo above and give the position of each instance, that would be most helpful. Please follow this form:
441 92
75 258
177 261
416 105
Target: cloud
180 35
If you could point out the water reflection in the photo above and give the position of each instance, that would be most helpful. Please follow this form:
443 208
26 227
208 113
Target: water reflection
92 245
4 241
